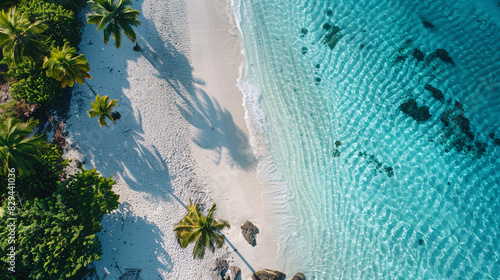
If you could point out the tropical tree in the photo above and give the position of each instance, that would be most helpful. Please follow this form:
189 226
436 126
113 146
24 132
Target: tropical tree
18 149
111 18
19 37
102 107
66 66
56 235
204 230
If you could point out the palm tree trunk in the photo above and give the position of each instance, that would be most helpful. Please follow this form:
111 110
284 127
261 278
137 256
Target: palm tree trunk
91 89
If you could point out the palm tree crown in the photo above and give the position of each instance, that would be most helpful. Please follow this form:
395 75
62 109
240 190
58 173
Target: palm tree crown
102 108
19 37
66 66
112 18
205 230
18 149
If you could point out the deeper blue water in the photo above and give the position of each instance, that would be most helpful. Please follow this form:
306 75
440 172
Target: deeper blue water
380 120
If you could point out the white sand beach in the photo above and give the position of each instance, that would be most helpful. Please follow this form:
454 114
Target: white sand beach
182 136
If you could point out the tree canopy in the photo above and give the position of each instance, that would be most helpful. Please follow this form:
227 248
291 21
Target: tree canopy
112 18
203 230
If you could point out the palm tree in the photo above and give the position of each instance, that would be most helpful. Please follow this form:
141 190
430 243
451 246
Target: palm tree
66 66
18 148
19 37
102 107
111 18
205 230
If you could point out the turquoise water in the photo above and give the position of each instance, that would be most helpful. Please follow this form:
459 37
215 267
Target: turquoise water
361 186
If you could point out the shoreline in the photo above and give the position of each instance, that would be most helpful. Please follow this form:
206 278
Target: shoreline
233 168
182 136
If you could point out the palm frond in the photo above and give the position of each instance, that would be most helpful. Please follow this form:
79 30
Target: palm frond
112 18
102 108
202 230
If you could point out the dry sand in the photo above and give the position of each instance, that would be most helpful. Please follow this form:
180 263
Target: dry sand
182 136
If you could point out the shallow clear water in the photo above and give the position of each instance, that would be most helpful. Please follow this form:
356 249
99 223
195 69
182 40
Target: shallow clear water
362 190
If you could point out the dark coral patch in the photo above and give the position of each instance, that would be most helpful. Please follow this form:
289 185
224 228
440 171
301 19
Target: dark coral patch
427 24
410 107
418 54
436 93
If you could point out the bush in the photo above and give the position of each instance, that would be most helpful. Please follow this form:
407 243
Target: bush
56 235
91 196
62 26
73 5
46 176
51 242
33 85
37 90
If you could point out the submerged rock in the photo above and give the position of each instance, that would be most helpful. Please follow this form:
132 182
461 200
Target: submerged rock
458 106
400 58
481 148
389 171
332 36
418 54
436 93
463 123
445 118
423 114
329 13
338 143
249 230
336 153
497 142
298 276
304 31
327 26
268 274
304 50
427 24
410 107
444 56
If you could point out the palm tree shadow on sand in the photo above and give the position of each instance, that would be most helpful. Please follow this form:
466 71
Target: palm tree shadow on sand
215 124
141 166
136 242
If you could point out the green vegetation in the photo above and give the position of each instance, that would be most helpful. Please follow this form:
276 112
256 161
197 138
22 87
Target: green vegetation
56 235
62 26
46 175
17 148
58 215
19 37
90 195
57 225
102 108
67 67
33 85
203 230
112 18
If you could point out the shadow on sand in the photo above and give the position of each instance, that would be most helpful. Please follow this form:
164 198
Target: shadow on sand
142 166
215 124
136 243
